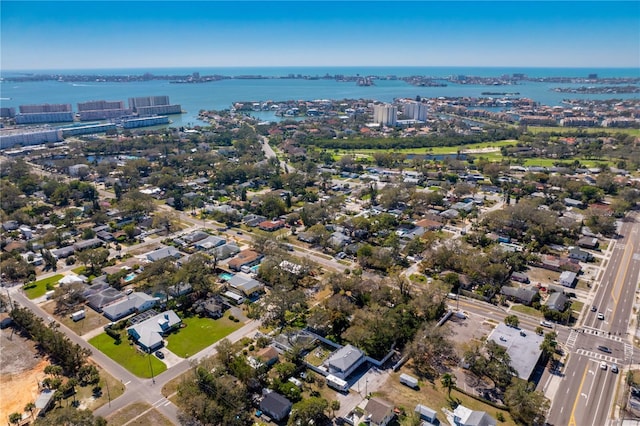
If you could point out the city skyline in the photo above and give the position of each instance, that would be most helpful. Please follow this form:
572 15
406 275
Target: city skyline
152 34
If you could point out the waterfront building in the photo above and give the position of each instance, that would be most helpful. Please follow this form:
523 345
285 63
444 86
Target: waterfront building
87 130
386 114
44 117
43 108
145 122
6 112
102 110
153 105
9 138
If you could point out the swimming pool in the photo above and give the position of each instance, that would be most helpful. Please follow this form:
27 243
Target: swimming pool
255 268
226 276
129 277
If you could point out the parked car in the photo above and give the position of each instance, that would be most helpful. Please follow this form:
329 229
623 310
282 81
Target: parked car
603 365
614 368
600 316
159 354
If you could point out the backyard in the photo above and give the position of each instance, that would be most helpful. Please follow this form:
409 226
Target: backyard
198 333
128 355
91 321
40 287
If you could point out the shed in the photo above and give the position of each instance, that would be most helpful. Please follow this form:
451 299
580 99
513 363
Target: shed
426 413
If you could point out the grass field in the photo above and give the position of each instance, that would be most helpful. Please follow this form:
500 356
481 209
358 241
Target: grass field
85 394
433 395
527 310
429 150
539 129
199 333
91 320
39 288
143 413
550 162
128 355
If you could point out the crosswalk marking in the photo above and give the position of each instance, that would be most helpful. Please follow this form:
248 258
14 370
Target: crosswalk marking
602 333
628 351
597 356
571 340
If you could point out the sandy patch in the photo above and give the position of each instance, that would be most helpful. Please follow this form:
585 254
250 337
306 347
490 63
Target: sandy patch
21 368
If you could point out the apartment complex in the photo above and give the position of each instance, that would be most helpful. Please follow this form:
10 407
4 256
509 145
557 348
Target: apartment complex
102 110
44 113
153 105
385 114
415 110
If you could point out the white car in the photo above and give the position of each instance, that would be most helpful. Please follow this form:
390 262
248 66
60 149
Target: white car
603 365
546 324
600 316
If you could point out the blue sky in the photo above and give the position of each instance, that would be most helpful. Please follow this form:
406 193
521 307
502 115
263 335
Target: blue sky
150 34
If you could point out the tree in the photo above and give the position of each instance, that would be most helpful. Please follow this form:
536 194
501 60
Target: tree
448 381
548 345
512 321
15 418
71 416
94 258
309 411
30 407
335 405
527 406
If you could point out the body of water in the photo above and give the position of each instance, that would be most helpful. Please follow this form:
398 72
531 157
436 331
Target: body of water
221 94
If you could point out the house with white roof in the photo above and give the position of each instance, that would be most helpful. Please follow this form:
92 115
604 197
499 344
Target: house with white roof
134 302
149 334
345 361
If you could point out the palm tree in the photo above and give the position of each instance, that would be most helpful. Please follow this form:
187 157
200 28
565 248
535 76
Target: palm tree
30 407
448 381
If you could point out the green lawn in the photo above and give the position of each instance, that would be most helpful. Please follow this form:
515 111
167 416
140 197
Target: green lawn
39 288
128 355
198 334
549 162
527 310
79 270
538 129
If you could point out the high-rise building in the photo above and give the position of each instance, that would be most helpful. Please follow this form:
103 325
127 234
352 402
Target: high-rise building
44 108
415 110
153 105
102 110
386 114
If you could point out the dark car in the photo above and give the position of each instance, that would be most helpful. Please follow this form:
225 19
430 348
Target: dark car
604 349
159 354
593 308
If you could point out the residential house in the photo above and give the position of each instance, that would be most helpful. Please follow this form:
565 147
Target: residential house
100 295
134 302
246 285
557 302
525 296
88 244
180 289
245 258
267 355
63 252
213 308
570 202
345 361
225 251
210 242
379 412
271 225
581 255
463 416
275 406
253 220
588 243
162 253
149 333
567 278
520 277
308 237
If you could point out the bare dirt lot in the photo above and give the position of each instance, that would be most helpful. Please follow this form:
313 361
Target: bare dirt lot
21 368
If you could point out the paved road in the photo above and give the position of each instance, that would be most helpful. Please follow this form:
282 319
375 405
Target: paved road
137 389
586 392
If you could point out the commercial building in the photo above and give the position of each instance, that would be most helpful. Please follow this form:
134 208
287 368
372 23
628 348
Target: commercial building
523 348
87 130
386 114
